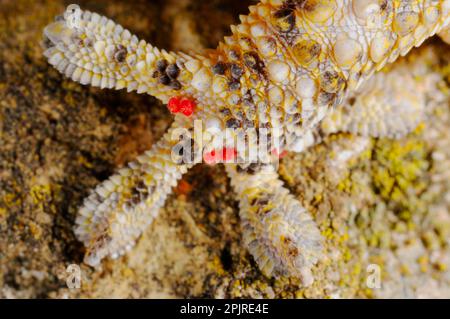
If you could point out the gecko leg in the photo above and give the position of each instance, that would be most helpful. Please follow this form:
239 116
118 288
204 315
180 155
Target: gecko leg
277 230
120 209
93 50
391 104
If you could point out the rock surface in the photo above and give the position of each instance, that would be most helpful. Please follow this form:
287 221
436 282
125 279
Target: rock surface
387 209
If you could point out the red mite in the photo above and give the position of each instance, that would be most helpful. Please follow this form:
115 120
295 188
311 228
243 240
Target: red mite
226 154
181 105
279 155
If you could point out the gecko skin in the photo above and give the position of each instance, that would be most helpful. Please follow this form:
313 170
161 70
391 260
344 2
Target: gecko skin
286 66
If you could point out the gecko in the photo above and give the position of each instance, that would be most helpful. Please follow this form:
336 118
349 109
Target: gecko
290 71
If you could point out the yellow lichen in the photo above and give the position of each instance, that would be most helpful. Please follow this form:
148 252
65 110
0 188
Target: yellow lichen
216 266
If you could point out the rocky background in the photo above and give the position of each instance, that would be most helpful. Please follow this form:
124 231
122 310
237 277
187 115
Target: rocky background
388 207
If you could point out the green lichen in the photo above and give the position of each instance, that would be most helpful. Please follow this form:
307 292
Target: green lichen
398 174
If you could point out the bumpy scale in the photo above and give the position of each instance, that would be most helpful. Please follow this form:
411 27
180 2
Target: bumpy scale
284 68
